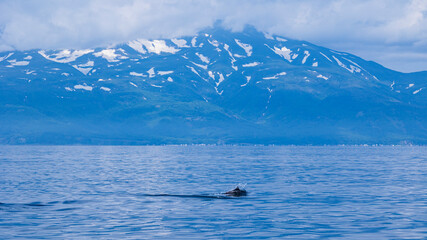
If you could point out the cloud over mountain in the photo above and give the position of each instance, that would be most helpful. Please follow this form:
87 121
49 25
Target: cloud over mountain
393 32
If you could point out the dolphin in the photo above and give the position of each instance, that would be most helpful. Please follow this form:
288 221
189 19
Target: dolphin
237 192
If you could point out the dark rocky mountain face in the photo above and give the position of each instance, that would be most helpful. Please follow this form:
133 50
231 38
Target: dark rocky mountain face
215 87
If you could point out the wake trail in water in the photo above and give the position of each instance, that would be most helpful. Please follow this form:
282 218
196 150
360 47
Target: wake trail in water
188 196
40 204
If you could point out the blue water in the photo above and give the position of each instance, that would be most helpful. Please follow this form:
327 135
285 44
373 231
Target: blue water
99 192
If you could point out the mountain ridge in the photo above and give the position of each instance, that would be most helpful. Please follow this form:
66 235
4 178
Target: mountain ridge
215 87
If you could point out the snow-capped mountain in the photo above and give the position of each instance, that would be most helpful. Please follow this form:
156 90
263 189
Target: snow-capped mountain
218 86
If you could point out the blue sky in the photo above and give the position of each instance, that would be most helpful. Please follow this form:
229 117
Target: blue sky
391 32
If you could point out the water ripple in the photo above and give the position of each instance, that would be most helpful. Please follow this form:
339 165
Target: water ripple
173 192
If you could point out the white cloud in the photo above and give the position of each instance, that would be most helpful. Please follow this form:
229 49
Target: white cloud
395 25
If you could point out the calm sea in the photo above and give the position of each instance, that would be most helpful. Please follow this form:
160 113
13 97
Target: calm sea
102 192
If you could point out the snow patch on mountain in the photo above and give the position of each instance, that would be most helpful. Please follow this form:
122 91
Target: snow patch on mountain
268 36
151 73
211 75
83 87
84 68
157 86
352 62
253 64
18 63
5 57
281 39
248 79
193 42
227 48
306 55
417 91
283 52
106 89
110 55
326 56
218 92
158 46
164 72
339 53
203 58
200 65
352 68
137 46
214 43
137 74
233 60
321 76
65 56
193 70
155 46
275 76
181 43
246 47
220 80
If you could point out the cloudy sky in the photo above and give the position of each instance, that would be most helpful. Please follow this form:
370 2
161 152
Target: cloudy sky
391 32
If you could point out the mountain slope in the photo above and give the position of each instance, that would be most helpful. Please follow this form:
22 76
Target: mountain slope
215 87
